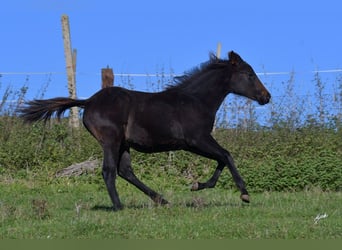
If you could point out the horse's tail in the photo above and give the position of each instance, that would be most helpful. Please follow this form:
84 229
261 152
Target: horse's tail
38 110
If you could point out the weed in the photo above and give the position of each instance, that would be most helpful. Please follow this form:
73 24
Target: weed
39 208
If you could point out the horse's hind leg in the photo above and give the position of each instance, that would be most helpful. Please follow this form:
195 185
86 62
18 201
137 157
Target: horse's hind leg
109 172
126 172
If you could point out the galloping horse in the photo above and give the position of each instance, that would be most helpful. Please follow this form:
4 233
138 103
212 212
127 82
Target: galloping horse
181 117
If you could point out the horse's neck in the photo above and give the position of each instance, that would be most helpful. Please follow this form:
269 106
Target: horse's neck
213 99
212 95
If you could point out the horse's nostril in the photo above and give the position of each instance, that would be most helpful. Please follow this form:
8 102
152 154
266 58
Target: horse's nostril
267 97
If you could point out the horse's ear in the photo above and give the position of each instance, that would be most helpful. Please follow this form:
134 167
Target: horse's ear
234 58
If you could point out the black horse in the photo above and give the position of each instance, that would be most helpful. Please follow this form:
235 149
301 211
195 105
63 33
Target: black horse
179 118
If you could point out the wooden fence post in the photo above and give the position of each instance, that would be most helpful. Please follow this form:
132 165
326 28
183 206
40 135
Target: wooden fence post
107 77
218 55
70 58
218 50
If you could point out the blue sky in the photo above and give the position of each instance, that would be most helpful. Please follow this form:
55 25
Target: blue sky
145 36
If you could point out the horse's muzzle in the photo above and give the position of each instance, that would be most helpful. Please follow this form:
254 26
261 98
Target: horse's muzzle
264 99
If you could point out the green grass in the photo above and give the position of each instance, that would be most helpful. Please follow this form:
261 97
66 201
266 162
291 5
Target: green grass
79 208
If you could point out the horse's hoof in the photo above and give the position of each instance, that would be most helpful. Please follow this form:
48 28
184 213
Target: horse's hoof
159 200
194 187
117 208
245 198
163 202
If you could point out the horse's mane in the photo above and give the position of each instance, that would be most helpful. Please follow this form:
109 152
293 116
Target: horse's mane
188 80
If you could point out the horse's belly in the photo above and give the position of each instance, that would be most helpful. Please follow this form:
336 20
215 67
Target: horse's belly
153 141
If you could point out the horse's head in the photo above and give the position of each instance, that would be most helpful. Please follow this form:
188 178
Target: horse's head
245 82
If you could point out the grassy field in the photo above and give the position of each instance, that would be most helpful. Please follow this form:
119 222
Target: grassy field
79 208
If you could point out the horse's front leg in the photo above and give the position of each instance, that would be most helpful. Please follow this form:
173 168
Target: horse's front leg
211 183
208 147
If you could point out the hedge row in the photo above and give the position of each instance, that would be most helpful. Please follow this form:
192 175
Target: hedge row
276 159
